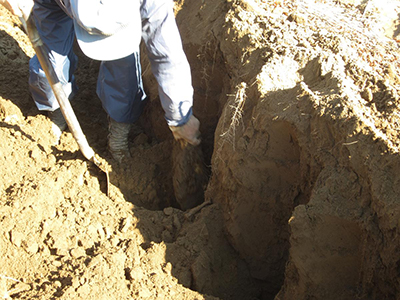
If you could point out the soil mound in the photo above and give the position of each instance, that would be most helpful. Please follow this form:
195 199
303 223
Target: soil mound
299 109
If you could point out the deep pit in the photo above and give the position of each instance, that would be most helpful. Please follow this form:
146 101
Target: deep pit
299 110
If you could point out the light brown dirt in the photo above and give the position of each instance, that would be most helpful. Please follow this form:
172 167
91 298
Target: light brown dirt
299 110
63 238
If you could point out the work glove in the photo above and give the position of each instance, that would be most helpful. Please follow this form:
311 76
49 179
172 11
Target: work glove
188 131
18 7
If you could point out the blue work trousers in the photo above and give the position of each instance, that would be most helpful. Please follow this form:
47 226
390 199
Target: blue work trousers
119 84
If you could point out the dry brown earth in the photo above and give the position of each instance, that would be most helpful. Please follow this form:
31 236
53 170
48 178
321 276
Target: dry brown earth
299 104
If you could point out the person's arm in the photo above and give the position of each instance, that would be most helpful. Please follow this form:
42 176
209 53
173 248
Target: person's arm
170 68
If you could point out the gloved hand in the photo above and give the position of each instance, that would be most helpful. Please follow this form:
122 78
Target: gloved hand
18 7
188 132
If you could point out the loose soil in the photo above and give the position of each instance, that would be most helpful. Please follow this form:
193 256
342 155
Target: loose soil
299 108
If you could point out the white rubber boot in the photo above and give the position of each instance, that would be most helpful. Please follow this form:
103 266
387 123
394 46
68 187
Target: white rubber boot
58 123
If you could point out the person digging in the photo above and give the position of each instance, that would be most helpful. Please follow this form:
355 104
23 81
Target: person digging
110 31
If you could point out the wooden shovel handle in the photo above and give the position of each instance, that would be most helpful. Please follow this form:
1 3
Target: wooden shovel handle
58 90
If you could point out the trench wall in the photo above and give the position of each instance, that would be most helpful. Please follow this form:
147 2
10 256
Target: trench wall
303 160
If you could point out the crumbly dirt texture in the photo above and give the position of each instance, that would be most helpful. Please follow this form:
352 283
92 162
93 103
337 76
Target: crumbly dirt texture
300 113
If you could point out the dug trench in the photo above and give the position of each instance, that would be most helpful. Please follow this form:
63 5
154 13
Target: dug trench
299 117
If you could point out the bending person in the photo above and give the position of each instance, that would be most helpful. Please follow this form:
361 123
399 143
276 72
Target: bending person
110 31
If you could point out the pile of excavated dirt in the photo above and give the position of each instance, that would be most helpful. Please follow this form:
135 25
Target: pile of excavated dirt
300 112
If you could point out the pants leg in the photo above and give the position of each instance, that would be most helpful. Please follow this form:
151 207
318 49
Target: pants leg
120 88
57 33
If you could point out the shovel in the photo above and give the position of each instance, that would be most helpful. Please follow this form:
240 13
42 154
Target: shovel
60 95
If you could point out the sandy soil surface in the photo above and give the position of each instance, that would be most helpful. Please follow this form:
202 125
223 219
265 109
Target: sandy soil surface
300 112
